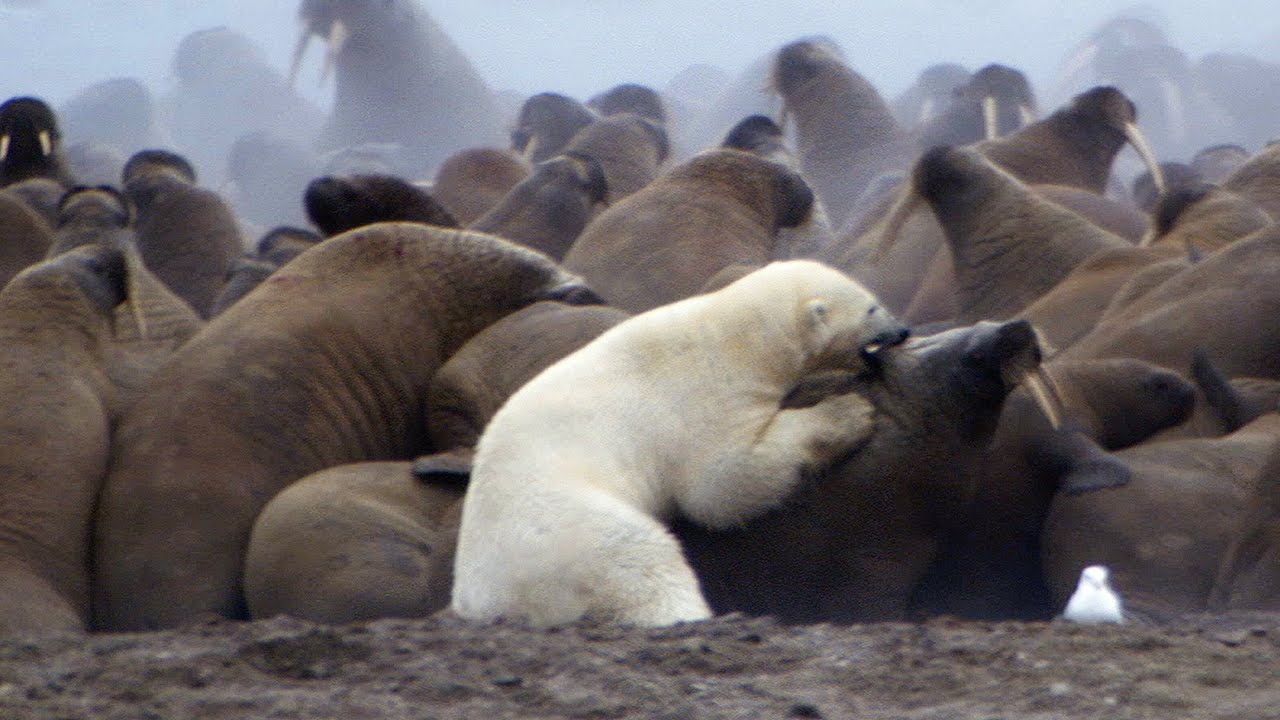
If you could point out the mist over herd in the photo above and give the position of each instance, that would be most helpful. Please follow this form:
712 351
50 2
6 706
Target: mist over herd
766 336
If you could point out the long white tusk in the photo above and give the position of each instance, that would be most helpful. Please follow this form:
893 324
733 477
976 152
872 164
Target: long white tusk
991 117
304 41
137 294
1026 114
4 147
338 35
46 143
1139 143
530 148
1045 391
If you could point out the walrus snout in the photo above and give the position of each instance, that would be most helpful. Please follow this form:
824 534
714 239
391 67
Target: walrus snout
101 273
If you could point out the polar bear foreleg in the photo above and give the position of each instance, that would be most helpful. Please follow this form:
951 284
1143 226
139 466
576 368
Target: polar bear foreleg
743 483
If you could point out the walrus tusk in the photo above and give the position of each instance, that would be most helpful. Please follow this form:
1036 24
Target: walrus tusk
1045 392
134 266
894 219
991 117
530 148
4 147
783 114
46 143
304 41
1139 142
338 35
1026 114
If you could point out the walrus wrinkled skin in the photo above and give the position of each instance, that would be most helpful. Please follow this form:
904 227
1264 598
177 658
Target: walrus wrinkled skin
325 363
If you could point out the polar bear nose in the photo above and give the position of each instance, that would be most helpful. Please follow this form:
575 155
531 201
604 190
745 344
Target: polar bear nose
886 339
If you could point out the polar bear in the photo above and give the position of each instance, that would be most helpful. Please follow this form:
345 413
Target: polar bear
678 409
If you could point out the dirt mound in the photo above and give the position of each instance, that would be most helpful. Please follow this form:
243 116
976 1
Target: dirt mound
733 667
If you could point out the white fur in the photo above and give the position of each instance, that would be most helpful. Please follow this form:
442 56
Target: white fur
1094 601
676 408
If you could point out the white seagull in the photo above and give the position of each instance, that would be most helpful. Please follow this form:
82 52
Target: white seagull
1094 601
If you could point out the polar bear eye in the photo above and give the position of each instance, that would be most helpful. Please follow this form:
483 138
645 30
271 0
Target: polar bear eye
818 310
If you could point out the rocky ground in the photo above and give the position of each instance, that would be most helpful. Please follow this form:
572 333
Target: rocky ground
734 667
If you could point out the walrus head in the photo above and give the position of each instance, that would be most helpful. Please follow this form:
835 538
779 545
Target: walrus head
101 205
338 22
1108 112
28 130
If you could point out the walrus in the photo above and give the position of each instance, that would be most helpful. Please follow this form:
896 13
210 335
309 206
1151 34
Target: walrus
338 204
761 136
55 318
1202 218
76 332
325 363
27 235
1008 245
631 150
187 234
1216 162
1075 146
369 540
930 95
549 209
283 243
93 215
40 194
995 101
473 181
722 207
630 98
546 124
845 133
399 79
30 142
275 248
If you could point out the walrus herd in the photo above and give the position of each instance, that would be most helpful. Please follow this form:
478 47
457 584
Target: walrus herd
776 344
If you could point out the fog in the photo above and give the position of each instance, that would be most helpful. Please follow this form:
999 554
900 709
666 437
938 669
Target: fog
579 47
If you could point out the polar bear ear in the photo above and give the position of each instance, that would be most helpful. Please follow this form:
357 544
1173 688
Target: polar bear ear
818 312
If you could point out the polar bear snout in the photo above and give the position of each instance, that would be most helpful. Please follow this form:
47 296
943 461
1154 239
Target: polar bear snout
884 340
856 347
884 332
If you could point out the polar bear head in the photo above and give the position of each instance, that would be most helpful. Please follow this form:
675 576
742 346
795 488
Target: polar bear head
836 323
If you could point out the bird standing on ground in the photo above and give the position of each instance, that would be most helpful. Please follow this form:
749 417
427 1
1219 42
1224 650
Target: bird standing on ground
1094 601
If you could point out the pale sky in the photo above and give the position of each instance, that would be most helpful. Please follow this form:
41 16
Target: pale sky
582 46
